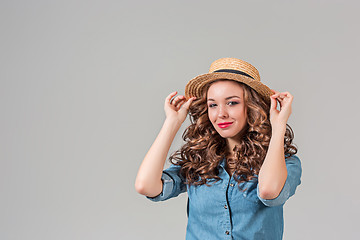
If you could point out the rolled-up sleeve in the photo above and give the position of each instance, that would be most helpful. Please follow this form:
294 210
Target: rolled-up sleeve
173 184
294 171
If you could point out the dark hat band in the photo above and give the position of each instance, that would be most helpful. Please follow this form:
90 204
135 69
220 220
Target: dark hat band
234 71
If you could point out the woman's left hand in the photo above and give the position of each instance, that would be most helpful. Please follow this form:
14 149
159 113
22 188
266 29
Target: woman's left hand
278 119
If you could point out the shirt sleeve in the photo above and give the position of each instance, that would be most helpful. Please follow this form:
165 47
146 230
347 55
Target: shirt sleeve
293 166
173 184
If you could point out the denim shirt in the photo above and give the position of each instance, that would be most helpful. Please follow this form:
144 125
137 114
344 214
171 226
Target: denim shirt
223 211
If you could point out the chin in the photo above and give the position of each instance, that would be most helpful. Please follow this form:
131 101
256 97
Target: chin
226 135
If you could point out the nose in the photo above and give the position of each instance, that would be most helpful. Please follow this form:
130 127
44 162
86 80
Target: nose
222 112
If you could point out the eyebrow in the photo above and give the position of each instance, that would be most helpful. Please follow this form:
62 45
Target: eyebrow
210 99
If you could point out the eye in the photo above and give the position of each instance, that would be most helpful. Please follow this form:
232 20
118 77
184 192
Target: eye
212 105
233 103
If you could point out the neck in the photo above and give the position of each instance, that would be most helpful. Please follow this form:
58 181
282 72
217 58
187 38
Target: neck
231 143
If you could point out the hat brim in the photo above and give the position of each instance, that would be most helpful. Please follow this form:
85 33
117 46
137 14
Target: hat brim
196 86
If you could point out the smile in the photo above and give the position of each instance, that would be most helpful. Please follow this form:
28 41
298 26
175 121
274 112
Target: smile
224 125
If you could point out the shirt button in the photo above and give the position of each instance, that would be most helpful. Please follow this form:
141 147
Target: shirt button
231 184
225 206
227 233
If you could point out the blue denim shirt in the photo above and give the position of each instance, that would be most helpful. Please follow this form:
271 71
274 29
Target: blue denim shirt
222 211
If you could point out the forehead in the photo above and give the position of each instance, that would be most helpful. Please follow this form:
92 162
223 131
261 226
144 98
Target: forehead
224 89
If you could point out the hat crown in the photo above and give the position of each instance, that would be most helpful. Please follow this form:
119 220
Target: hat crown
235 64
230 69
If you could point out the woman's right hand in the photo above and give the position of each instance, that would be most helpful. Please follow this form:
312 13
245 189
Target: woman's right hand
178 108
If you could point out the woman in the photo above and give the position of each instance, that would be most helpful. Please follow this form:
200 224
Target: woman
238 163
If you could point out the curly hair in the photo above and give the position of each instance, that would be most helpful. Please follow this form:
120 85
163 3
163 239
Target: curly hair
204 148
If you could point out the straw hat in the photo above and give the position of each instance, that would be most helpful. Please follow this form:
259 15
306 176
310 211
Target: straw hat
232 69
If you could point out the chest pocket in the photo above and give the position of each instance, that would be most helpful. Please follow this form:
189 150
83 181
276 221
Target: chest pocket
207 196
250 192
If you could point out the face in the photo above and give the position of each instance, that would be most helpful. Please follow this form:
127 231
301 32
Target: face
226 108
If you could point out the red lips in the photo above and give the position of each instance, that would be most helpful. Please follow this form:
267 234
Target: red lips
224 124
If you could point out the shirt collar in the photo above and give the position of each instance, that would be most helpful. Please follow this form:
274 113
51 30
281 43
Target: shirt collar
223 162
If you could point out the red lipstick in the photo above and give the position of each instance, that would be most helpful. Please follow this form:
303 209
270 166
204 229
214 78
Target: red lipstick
224 124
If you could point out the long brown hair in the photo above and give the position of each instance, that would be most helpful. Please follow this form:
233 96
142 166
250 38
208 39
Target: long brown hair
204 148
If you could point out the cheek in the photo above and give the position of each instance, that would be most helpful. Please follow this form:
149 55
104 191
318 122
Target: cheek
238 114
212 116
241 116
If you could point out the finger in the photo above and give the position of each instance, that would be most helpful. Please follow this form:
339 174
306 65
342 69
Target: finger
278 97
274 91
287 98
286 94
170 96
174 100
186 106
177 99
281 95
184 100
275 96
180 102
273 103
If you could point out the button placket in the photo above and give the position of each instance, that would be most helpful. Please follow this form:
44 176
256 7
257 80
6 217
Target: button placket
227 225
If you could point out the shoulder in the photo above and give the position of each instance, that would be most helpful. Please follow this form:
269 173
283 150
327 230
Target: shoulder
294 159
294 168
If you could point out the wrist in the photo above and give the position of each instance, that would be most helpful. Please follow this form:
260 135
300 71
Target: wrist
172 122
279 130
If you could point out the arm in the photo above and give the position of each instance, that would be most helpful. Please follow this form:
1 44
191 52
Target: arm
293 180
273 172
148 181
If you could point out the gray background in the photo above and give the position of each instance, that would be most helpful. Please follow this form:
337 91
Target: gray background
81 100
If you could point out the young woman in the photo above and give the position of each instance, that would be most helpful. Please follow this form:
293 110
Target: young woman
238 163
